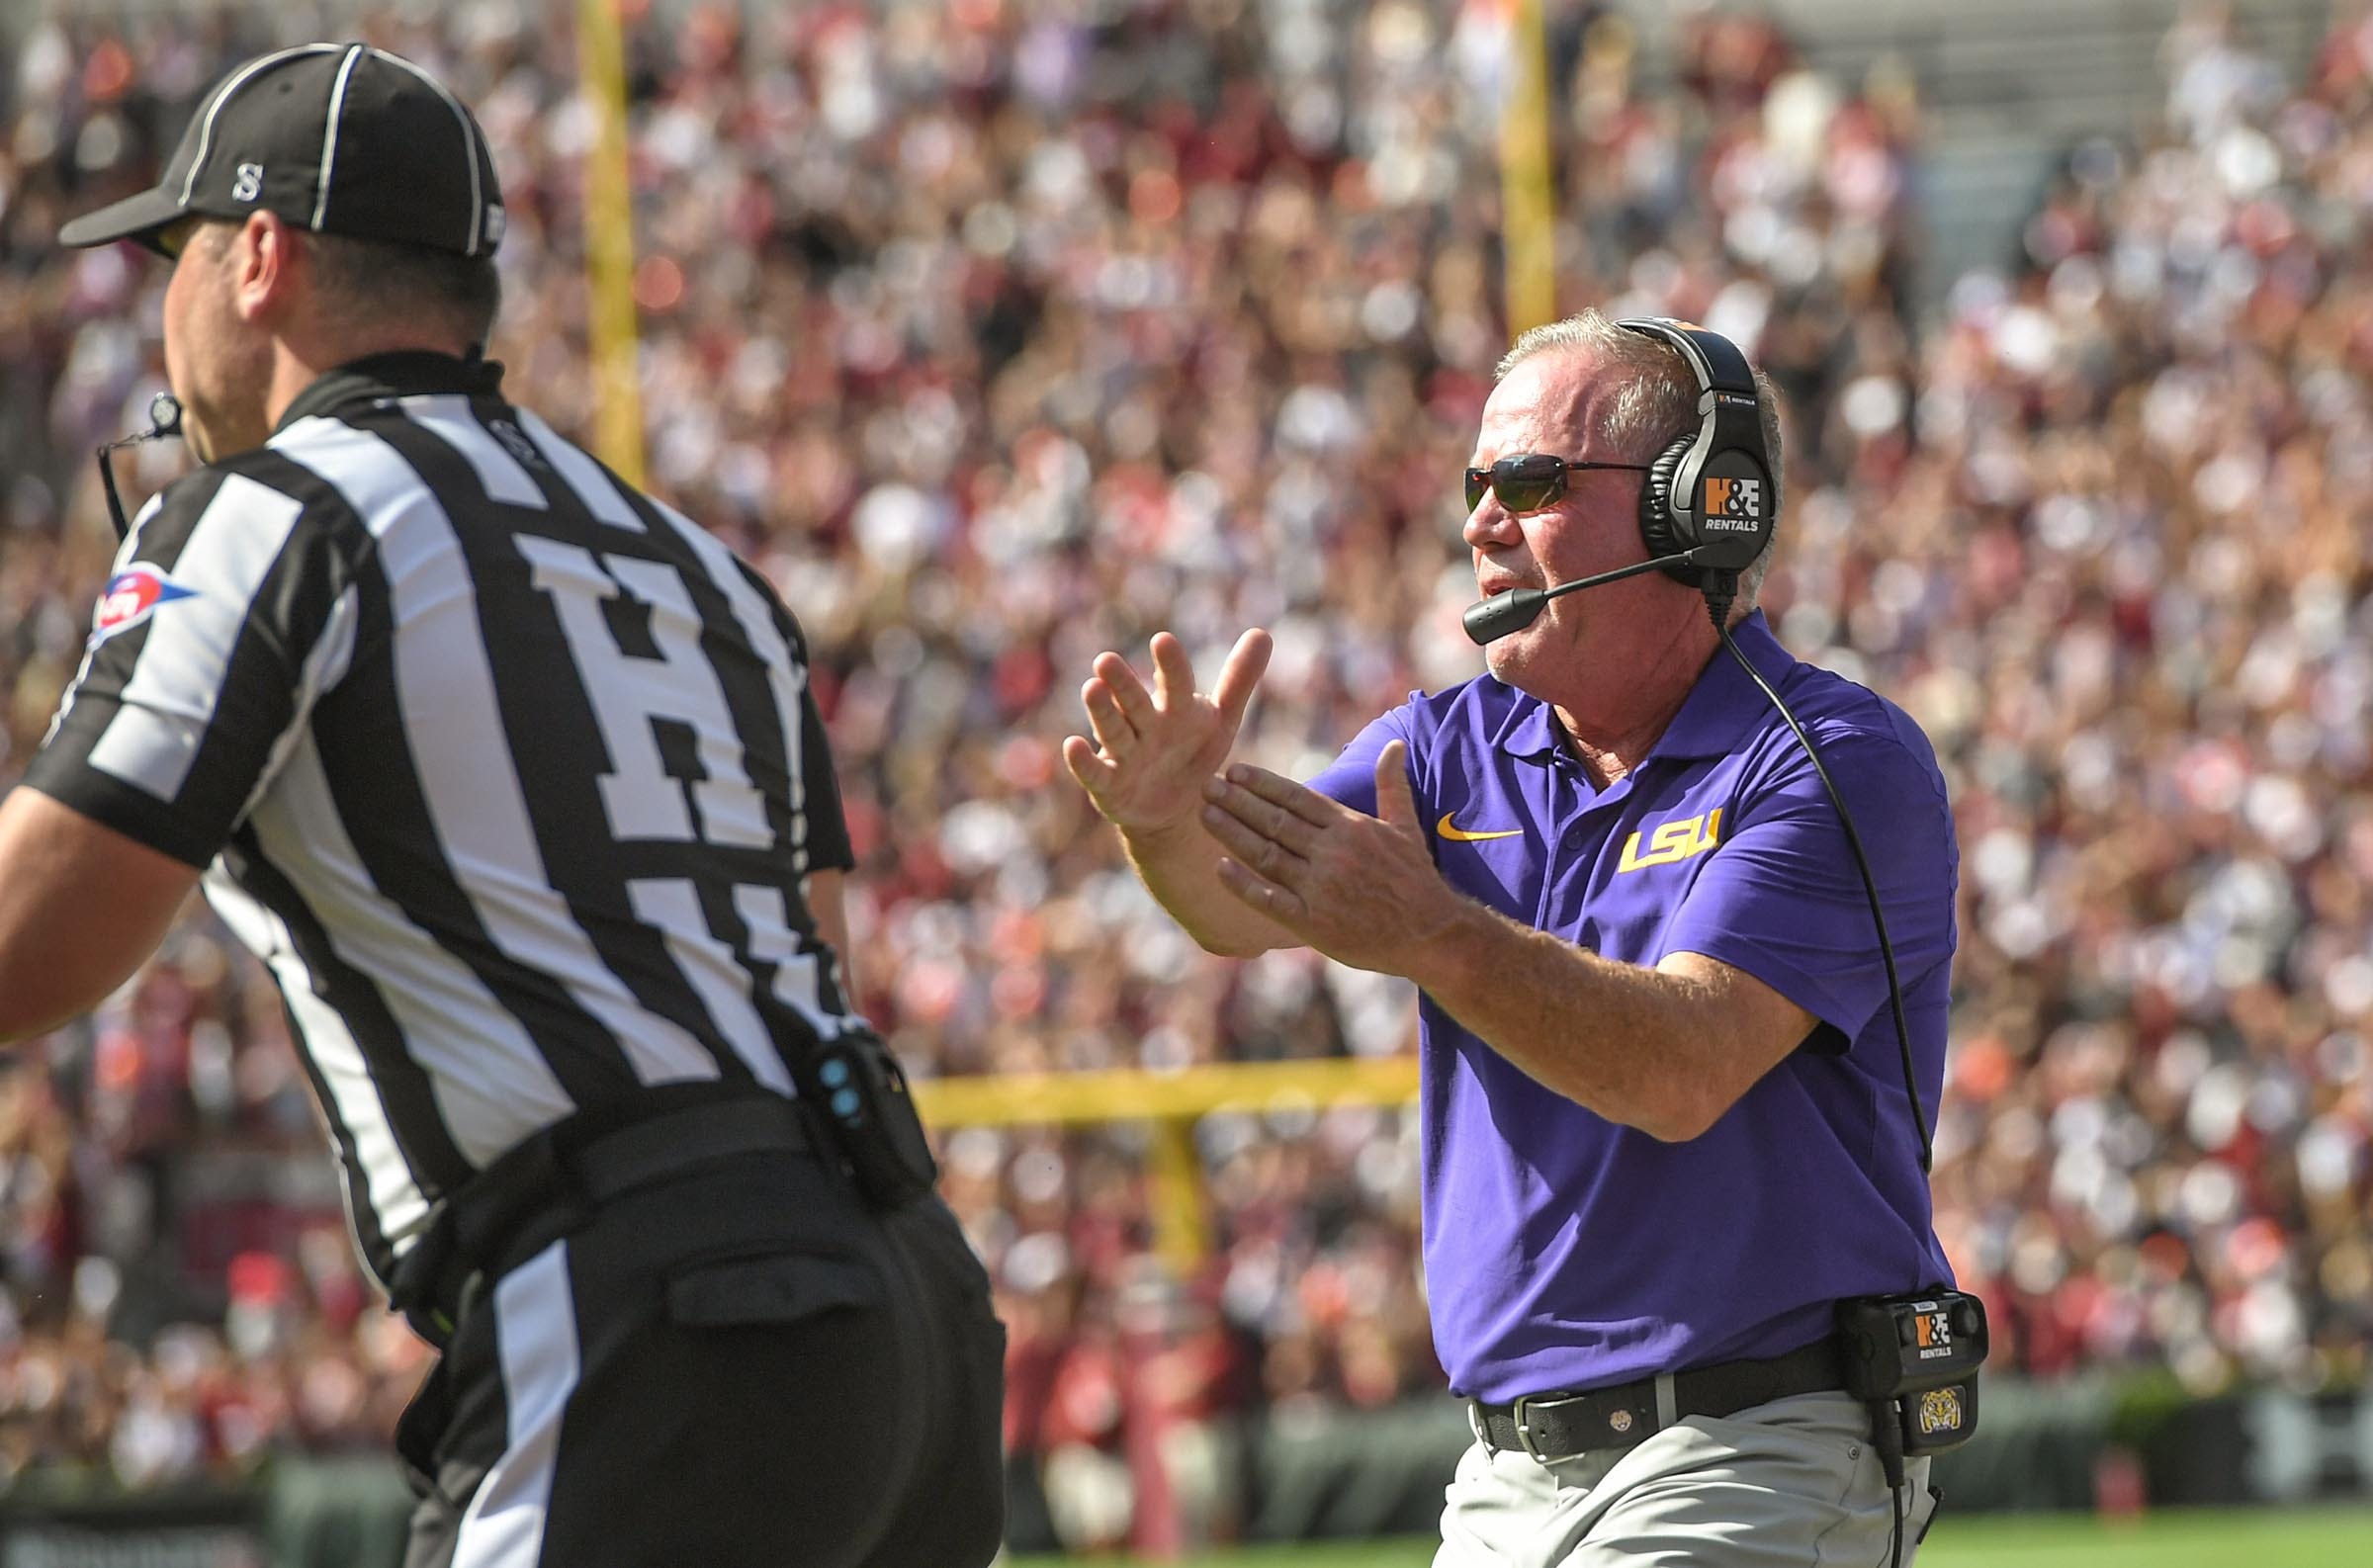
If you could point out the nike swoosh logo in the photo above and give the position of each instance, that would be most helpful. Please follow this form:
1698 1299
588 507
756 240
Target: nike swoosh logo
1462 835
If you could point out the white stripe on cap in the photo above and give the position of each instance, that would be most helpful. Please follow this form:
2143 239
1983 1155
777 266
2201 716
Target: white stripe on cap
478 205
206 131
329 130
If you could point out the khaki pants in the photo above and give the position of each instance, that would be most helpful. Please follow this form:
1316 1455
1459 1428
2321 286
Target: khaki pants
1794 1482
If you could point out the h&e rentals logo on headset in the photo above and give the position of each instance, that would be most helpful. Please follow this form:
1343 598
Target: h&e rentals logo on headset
1732 505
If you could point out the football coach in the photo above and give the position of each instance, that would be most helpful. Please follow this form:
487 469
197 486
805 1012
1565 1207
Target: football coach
512 777
1667 1148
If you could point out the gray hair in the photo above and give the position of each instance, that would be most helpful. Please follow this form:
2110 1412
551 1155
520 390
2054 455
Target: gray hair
1654 403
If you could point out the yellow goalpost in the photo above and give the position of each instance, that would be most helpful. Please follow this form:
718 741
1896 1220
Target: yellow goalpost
1528 184
1172 1102
610 244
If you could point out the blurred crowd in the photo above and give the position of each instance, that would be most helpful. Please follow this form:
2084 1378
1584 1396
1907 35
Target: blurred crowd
1002 333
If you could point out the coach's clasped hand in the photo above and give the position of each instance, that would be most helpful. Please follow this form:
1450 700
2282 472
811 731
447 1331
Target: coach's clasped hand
1246 859
1362 889
1153 750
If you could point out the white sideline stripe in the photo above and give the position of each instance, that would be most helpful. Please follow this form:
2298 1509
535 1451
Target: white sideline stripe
535 1340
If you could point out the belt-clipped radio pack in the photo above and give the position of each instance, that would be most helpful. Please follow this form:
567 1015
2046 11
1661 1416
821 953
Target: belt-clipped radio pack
859 1092
1921 1353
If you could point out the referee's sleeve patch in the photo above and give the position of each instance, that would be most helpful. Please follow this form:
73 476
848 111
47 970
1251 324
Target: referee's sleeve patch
131 596
167 707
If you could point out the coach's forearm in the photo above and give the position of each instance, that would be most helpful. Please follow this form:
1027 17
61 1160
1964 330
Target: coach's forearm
1639 1046
1180 867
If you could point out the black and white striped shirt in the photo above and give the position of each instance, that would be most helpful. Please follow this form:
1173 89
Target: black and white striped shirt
507 771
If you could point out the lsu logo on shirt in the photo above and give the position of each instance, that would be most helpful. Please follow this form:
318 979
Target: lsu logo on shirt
1672 841
1732 504
132 595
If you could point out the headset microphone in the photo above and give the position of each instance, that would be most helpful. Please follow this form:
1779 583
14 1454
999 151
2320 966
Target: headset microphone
164 420
1489 620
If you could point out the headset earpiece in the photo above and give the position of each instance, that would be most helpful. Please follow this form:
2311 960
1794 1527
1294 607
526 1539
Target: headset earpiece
1710 490
1660 528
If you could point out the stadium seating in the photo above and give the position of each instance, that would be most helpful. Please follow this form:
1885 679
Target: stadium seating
999 335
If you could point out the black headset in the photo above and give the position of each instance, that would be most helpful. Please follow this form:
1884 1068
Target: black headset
1711 493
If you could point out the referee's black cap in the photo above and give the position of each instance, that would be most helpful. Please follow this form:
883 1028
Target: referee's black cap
342 138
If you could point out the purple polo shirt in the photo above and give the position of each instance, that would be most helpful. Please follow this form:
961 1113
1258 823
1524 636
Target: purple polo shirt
1566 1252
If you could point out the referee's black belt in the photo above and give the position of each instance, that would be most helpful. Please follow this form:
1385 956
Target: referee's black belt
553 1180
1554 1426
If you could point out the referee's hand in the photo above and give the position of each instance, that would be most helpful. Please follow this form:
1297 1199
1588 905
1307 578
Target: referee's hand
1145 769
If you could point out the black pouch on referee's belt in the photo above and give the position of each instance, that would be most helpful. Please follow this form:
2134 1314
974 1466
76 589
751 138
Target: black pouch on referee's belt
856 1087
1919 1353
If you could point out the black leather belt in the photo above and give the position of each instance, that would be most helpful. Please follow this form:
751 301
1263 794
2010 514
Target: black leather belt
1553 1427
552 1181
640 1153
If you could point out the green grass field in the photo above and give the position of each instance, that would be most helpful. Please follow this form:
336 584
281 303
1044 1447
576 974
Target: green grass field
2171 1539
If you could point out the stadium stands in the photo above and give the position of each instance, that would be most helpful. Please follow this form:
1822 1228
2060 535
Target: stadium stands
1003 333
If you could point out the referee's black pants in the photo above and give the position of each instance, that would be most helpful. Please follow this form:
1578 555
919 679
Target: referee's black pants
741 1366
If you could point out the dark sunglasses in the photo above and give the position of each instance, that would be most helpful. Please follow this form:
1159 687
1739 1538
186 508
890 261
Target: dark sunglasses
1531 481
174 237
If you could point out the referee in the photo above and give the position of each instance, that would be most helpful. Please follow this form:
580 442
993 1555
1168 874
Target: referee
513 776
